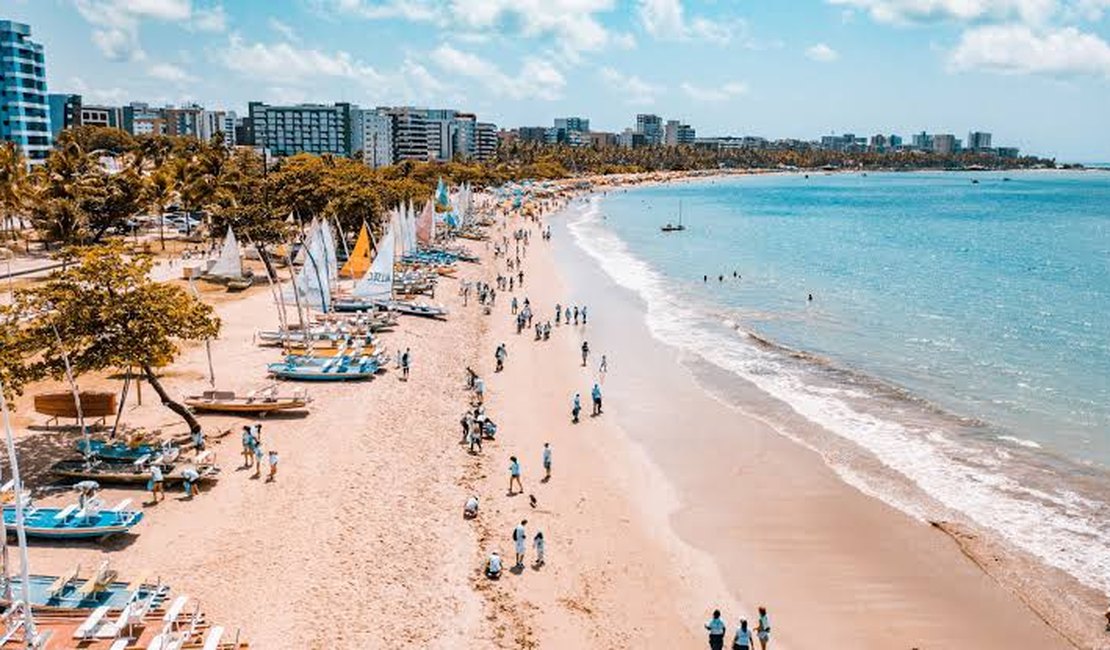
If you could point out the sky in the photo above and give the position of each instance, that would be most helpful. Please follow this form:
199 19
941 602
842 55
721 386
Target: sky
1035 73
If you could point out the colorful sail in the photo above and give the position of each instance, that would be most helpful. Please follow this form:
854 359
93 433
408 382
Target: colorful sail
377 284
443 202
359 260
426 225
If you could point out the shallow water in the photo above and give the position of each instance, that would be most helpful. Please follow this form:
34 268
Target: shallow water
959 333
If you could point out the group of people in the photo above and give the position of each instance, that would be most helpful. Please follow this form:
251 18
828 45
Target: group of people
565 313
252 451
744 635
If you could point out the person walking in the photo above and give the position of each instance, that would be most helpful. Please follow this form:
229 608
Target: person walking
585 352
596 395
743 638
558 314
474 437
576 408
248 446
406 359
190 478
513 305
546 462
763 629
604 367
273 466
520 538
156 483
514 475
540 545
716 629
583 314
499 355
257 458
576 314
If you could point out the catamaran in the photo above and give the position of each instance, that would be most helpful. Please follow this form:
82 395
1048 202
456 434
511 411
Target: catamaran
228 268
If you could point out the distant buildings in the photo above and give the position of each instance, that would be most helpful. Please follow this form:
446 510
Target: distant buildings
375 138
651 127
676 133
978 141
304 128
65 112
24 109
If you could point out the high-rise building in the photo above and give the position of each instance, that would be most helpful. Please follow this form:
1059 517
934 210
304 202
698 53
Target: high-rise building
580 124
923 141
244 132
65 112
441 133
24 109
602 140
375 138
485 138
945 143
978 141
651 127
139 118
532 133
895 141
303 128
676 133
102 116
410 132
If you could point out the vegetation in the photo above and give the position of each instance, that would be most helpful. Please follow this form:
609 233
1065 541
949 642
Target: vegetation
108 313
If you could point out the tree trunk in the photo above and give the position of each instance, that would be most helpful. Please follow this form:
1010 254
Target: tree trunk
179 409
267 260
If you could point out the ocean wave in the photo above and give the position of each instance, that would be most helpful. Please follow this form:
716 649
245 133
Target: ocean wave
962 478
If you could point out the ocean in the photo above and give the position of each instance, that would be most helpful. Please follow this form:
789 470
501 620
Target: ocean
957 343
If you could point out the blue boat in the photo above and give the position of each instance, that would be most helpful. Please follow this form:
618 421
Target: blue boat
340 368
117 450
69 592
84 520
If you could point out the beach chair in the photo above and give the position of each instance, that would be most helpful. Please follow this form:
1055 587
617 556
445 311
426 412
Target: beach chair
120 644
87 629
58 586
174 612
65 512
99 581
212 641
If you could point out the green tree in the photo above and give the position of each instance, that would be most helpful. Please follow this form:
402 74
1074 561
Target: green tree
110 314
13 185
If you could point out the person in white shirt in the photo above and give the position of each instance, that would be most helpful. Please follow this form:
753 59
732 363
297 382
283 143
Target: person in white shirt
743 638
716 629
520 538
539 544
546 462
470 510
156 482
190 477
493 567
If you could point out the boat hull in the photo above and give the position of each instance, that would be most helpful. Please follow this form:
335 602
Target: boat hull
242 406
41 523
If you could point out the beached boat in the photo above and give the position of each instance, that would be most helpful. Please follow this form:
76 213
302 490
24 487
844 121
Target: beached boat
411 308
127 452
60 404
69 591
343 368
135 472
228 268
88 518
257 403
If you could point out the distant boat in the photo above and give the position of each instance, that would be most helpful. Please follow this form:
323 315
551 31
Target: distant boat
675 228
975 181
1006 178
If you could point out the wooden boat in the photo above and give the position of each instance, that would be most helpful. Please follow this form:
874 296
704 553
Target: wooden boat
131 473
124 451
70 592
226 401
60 404
84 520
343 368
421 309
356 350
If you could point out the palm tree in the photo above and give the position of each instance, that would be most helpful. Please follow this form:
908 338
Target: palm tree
13 185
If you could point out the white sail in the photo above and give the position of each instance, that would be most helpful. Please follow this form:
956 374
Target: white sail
331 258
312 285
228 265
410 245
377 284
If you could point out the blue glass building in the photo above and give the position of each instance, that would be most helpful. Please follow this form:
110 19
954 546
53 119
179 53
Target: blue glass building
24 109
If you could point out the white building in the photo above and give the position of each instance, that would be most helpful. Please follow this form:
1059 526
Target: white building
374 138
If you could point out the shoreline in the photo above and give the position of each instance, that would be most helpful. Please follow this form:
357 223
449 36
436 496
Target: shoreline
1070 608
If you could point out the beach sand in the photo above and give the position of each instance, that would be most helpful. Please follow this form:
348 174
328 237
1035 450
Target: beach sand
670 504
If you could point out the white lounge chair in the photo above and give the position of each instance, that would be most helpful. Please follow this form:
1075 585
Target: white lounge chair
212 641
174 612
87 629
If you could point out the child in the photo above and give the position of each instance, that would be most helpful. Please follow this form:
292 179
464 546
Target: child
273 465
539 545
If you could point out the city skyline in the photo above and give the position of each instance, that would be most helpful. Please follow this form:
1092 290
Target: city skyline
1027 71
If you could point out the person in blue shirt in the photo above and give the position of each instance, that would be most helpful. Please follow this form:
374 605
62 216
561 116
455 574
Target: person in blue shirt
576 408
743 638
514 475
763 630
596 394
493 567
716 629
520 539
546 462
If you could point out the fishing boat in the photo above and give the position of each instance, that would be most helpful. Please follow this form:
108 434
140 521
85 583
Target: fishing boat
256 403
61 404
126 451
672 227
69 592
135 472
88 518
413 308
342 368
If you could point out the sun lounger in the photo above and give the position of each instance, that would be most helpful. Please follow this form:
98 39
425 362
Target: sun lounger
174 612
122 505
98 581
140 580
87 629
212 641
59 585
120 644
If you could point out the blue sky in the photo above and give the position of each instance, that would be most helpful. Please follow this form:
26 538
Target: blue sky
1036 73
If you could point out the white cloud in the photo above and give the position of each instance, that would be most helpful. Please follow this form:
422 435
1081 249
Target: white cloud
666 20
911 11
715 94
284 63
1091 10
170 72
213 19
286 32
632 89
624 41
1020 49
537 79
100 94
822 53
574 24
116 22
385 9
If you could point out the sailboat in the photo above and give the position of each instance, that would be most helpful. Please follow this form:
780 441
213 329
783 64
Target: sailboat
675 228
228 268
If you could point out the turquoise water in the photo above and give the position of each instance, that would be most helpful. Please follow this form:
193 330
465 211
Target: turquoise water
959 332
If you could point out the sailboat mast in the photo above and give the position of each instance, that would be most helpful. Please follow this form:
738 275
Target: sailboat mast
20 532
73 389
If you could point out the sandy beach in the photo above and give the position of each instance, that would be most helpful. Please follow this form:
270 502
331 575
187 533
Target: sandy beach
671 503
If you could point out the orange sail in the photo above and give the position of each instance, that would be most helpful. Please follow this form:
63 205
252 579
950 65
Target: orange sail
359 261
425 224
